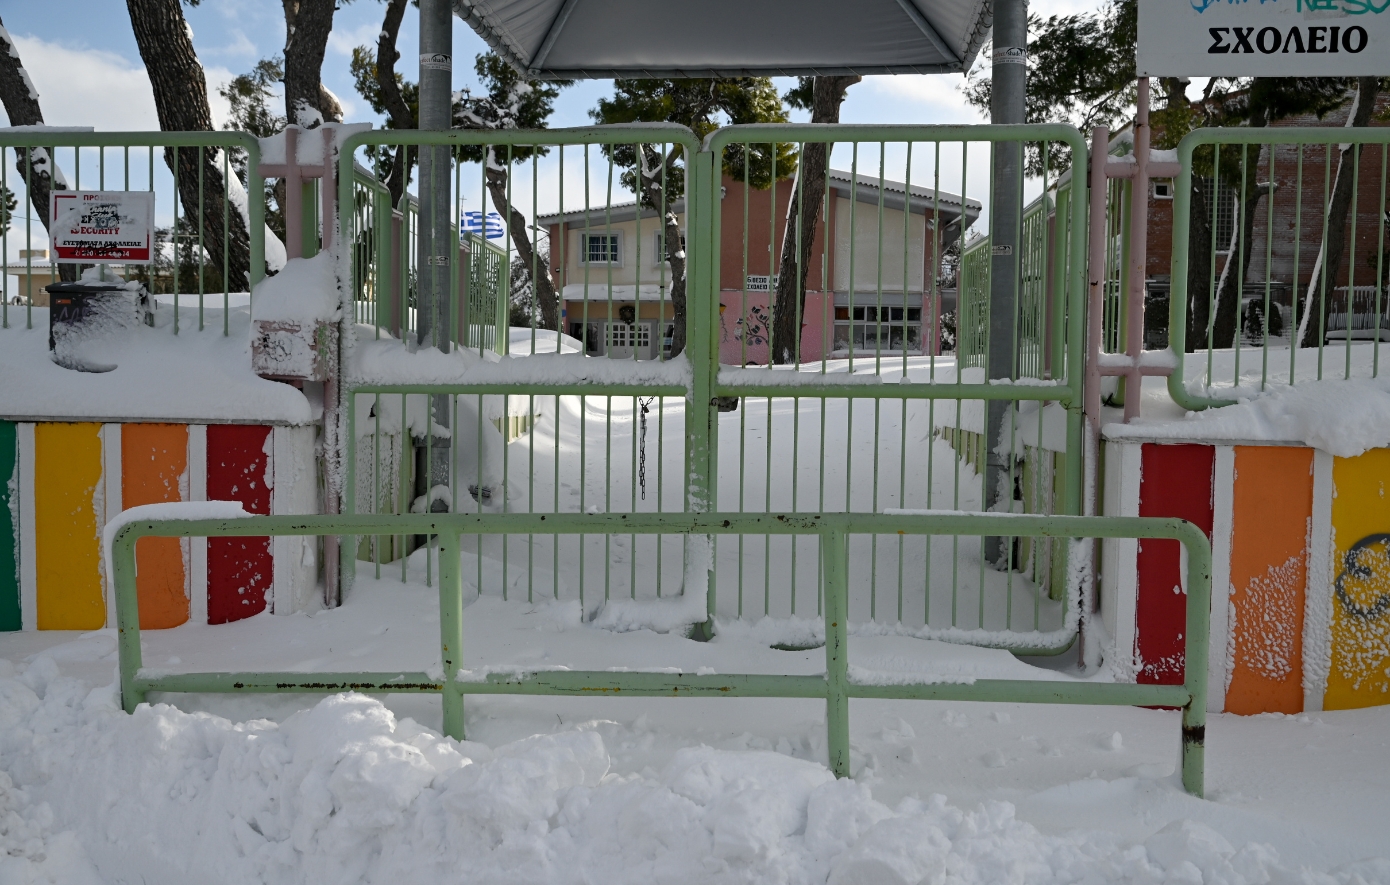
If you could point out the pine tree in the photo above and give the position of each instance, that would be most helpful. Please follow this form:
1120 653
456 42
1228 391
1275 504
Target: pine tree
1080 71
390 94
506 101
248 97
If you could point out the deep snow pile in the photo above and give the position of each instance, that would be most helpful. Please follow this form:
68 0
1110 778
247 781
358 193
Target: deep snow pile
345 792
146 372
1343 417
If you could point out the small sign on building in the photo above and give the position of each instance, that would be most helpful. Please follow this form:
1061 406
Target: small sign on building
102 227
1263 38
760 282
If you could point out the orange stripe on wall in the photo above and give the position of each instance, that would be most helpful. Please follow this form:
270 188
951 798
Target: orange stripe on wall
1272 504
154 458
67 550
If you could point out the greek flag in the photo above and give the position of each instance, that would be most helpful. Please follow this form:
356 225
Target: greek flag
490 226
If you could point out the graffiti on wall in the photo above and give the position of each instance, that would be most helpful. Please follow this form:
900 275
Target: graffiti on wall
1363 590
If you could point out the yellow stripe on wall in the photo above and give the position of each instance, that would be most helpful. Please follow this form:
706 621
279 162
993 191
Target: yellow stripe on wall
1361 582
67 554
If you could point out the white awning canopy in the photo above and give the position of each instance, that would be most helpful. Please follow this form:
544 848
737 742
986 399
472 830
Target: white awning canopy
593 39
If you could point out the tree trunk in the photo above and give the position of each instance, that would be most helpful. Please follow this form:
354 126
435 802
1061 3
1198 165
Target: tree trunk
1228 292
649 172
516 225
181 100
36 165
1198 268
1334 242
307 102
401 117
808 190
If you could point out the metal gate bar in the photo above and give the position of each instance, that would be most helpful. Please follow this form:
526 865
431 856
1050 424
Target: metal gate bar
836 687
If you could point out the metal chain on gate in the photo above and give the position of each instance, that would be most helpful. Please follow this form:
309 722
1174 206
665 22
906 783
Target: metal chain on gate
642 446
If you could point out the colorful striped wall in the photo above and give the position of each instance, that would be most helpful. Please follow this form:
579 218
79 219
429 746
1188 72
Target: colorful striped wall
61 482
1301 571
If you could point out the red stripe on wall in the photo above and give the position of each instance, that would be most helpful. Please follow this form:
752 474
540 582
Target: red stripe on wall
1176 481
239 569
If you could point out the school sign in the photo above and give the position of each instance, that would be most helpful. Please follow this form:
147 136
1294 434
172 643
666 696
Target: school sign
1263 38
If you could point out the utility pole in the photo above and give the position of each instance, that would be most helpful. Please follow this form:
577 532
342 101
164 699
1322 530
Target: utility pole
1008 88
436 250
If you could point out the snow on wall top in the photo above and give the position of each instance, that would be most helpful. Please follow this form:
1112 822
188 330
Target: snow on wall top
1343 417
305 292
157 376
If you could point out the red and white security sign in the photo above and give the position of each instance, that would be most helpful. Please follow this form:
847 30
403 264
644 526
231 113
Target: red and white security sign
102 227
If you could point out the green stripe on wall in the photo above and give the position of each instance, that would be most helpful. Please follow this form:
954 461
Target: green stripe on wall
9 527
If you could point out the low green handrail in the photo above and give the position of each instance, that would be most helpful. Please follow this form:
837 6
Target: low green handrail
835 686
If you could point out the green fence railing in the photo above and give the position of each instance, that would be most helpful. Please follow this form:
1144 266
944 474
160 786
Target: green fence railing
210 238
454 680
1041 315
488 298
1295 265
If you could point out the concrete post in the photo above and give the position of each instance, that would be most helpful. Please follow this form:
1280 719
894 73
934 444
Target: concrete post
435 251
1009 82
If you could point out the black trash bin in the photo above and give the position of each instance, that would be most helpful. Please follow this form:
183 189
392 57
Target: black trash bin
70 305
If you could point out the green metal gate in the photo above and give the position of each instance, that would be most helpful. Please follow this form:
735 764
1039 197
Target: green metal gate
844 422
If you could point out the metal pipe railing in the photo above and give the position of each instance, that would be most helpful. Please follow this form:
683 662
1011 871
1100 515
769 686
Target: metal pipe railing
453 681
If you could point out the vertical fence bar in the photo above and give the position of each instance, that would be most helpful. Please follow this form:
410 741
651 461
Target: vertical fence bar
127 622
836 592
451 629
1198 626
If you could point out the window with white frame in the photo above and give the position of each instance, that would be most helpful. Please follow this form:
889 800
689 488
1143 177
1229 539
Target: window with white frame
1221 209
659 246
601 248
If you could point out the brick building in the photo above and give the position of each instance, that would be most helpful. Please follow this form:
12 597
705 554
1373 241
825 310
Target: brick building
1288 231
614 281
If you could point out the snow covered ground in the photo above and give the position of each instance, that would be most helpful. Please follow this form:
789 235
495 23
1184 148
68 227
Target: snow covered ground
205 788
346 788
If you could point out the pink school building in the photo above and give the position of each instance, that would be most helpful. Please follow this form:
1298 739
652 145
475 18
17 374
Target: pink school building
614 281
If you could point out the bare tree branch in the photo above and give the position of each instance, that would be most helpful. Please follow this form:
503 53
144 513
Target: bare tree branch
37 167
